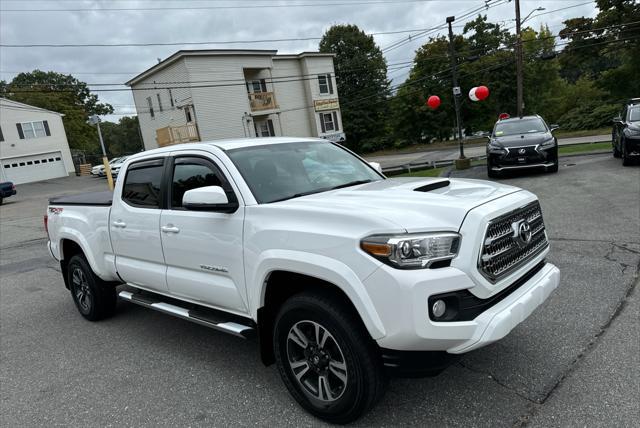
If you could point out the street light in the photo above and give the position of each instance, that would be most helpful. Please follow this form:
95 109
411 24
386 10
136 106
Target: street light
519 67
95 120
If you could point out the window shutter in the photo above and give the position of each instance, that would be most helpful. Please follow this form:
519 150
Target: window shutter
46 128
322 123
335 121
1 136
20 133
330 82
271 130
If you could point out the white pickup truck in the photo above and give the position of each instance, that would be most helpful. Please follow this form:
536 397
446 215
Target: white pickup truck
343 276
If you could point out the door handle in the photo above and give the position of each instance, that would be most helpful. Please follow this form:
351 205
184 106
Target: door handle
170 229
120 224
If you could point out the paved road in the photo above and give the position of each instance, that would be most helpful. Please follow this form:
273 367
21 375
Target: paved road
388 161
573 363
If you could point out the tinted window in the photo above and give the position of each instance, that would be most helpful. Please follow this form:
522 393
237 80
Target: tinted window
634 114
142 184
192 173
515 127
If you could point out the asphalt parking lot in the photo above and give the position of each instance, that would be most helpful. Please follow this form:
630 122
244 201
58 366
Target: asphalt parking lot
574 362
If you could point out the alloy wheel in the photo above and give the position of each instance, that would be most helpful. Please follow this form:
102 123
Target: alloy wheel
81 290
316 360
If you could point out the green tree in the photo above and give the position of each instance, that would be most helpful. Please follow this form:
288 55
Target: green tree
122 138
361 75
63 94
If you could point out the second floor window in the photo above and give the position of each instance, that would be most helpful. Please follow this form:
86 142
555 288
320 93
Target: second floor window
150 107
325 83
37 129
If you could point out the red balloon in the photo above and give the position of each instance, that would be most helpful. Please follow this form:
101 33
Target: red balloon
482 92
433 101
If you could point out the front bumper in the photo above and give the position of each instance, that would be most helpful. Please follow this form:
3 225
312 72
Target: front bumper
632 145
532 157
409 327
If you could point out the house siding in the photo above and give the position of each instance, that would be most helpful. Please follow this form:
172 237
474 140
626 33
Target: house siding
13 146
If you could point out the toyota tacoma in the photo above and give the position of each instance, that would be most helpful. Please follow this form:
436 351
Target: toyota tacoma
341 275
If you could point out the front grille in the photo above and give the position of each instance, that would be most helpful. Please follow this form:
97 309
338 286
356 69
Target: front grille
503 250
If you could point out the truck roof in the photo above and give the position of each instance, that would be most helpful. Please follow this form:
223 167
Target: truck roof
229 144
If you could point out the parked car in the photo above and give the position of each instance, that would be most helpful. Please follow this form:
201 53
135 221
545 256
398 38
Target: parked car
115 167
521 142
7 189
626 132
343 278
99 169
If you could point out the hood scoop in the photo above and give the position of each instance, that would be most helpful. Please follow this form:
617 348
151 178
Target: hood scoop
432 186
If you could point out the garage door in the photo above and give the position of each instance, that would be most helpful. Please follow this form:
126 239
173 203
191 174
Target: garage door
34 168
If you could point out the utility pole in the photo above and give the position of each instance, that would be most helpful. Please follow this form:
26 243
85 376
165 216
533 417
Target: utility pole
519 76
462 162
95 120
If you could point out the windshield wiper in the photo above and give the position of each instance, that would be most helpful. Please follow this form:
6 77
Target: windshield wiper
351 183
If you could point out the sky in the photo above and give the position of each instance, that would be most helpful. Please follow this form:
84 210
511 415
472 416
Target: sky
182 21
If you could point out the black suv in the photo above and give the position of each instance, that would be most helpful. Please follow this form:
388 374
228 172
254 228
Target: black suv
522 142
626 132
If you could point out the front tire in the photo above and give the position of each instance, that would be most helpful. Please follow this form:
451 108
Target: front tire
326 358
616 152
94 298
491 173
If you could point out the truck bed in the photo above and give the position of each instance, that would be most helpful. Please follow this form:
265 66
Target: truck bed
103 199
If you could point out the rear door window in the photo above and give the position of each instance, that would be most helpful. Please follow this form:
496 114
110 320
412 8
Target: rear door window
143 184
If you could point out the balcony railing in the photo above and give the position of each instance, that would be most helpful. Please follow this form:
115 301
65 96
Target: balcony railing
262 101
170 135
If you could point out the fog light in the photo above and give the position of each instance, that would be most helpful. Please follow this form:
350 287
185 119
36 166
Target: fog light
439 308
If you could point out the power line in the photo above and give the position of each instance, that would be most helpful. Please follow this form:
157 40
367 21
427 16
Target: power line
226 7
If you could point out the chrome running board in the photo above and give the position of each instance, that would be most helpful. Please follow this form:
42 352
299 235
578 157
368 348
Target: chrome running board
217 320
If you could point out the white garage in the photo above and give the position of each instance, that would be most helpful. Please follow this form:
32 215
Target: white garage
33 168
33 144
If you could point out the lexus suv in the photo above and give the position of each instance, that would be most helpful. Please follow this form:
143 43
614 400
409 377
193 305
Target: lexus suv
626 132
521 142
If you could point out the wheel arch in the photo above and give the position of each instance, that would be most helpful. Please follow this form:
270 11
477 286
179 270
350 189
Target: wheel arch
277 284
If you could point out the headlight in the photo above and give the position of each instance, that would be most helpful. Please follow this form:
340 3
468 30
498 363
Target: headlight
549 143
495 147
632 132
412 251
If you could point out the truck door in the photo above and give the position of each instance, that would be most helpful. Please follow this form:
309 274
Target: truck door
135 226
203 249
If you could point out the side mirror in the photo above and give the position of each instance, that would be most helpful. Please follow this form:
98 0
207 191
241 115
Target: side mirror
617 119
554 126
209 198
376 166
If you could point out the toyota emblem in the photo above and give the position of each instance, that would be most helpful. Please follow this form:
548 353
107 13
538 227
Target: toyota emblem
521 232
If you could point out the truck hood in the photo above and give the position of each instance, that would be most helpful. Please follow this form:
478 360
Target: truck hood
413 204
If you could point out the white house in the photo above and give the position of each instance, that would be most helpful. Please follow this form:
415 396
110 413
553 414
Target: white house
198 95
33 144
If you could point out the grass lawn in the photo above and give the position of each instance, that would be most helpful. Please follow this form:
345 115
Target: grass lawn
580 148
433 172
582 133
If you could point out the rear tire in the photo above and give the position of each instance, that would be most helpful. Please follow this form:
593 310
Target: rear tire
626 160
94 298
326 358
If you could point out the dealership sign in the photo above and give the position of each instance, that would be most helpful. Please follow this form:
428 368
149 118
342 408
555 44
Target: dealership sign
322 105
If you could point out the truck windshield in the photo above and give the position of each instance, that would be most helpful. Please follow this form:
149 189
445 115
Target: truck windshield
277 172
517 127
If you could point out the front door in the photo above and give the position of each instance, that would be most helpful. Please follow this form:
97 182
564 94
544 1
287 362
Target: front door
203 249
134 226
